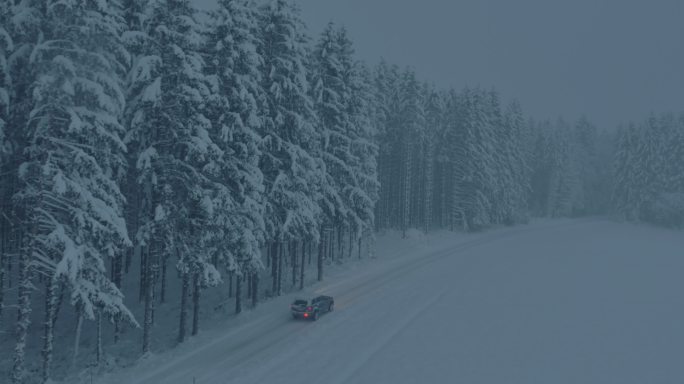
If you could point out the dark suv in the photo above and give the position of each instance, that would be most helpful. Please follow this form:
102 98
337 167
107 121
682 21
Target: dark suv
318 306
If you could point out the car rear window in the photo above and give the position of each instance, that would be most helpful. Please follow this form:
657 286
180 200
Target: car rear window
300 302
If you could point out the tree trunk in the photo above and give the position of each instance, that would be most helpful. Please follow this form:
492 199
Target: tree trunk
185 290
129 258
293 251
321 247
149 302
162 294
196 290
406 206
48 336
301 267
3 250
429 181
351 242
340 251
309 245
330 242
77 337
359 246
249 284
255 290
274 268
60 300
230 284
98 352
268 254
2 285
144 274
281 250
23 315
118 281
238 294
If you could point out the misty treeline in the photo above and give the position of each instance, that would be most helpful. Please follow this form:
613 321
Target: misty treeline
649 171
142 142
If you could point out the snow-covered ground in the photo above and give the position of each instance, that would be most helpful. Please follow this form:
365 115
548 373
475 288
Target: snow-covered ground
576 301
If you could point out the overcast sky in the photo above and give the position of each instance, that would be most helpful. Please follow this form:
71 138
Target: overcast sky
611 60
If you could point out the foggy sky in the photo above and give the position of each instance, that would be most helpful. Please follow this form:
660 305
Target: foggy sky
611 60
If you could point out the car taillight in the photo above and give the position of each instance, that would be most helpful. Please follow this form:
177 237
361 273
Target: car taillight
306 315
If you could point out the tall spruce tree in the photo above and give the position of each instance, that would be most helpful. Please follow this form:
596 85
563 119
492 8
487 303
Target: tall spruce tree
6 48
364 149
515 144
170 136
330 97
293 176
74 161
236 230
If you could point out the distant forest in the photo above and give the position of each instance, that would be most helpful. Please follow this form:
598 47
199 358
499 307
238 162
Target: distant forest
218 148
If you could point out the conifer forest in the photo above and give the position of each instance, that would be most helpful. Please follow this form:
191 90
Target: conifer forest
153 155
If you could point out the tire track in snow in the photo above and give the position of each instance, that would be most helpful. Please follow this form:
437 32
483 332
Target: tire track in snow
251 343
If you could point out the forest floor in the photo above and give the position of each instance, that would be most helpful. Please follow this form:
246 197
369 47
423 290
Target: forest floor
572 301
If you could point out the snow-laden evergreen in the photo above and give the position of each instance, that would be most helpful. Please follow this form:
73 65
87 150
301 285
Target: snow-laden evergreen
570 169
293 176
236 230
135 138
6 48
515 139
330 94
73 160
342 99
364 148
170 135
648 172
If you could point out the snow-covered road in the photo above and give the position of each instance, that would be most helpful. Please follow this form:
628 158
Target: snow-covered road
566 302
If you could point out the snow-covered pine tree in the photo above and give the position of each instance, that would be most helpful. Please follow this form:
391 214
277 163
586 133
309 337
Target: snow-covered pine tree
585 137
384 96
6 47
625 184
564 182
449 158
516 141
236 230
500 182
461 158
74 160
169 134
23 22
412 123
293 177
674 150
364 149
434 119
542 166
343 108
328 95
659 198
359 193
473 163
647 173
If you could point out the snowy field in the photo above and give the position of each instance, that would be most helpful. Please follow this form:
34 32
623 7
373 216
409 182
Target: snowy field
588 301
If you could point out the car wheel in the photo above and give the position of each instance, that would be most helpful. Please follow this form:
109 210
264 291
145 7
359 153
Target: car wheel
294 316
315 316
